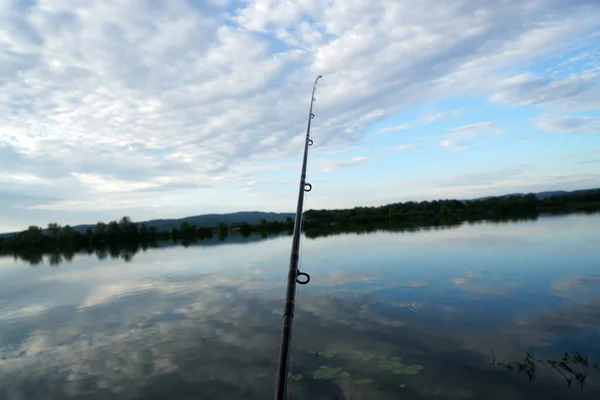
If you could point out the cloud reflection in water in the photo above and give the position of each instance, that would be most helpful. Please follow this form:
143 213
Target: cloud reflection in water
188 323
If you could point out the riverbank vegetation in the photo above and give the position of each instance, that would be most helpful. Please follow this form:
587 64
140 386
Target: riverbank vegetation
454 211
122 236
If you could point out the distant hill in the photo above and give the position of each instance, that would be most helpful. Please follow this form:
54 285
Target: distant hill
206 220
210 220
540 195
254 217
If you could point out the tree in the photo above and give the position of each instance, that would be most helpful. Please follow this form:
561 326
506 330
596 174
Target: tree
143 235
100 229
53 230
223 230
113 232
89 236
245 229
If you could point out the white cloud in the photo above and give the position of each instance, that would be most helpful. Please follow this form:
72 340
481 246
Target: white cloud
435 117
577 92
395 128
336 165
403 147
456 140
107 99
577 285
23 178
568 124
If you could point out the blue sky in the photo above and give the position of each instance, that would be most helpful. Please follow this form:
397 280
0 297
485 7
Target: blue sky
168 109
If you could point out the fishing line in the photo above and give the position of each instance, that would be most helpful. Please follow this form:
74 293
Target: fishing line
294 342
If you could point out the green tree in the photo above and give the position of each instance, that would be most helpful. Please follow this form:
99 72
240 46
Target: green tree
143 235
245 229
53 231
113 232
223 229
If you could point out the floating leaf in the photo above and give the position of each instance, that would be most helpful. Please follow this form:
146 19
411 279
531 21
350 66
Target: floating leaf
409 370
400 368
344 375
325 372
365 381
296 377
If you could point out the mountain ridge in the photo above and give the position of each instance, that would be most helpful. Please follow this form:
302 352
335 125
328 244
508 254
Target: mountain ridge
254 217
202 220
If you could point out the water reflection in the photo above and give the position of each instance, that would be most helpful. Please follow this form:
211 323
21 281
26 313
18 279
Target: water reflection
386 320
36 257
126 252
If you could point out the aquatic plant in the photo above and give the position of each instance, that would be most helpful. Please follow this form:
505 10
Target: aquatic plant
397 367
326 354
326 372
344 375
571 368
296 377
364 381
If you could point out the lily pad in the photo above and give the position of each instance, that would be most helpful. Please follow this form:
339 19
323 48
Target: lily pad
329 354
408 370
365 381
366 356
399 368
344 375
325 372
296 377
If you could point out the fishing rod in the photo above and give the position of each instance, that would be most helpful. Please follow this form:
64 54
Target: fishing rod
294 275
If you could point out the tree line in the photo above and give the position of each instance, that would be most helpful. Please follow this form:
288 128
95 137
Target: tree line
125 232
446 212
396 216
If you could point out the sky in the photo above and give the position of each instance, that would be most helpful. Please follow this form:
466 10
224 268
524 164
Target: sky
166 109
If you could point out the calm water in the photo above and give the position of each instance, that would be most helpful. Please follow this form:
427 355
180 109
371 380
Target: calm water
386 316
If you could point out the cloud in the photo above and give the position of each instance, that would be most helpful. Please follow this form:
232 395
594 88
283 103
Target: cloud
568 124
435 117
404 147
395 128
400 147
336 165
106 99
575 93
469 284
577 285
426 118
432 116
456 140
578 92
575 154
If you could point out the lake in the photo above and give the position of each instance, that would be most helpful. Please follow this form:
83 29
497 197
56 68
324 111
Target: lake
430 314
